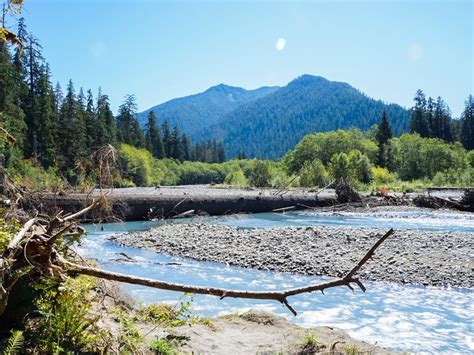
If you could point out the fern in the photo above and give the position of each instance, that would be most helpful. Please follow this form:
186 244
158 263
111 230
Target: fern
14 343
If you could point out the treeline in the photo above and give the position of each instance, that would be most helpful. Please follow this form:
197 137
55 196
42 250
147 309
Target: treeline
60 130
432 119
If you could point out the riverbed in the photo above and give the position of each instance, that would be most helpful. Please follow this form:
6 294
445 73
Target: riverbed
400 317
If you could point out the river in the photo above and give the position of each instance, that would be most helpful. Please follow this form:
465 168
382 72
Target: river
405 318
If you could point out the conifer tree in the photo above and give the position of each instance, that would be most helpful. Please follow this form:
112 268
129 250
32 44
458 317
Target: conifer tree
90 123
46 119
69 129
221 155
152 137
177 151
384 134
467 124
106 127
128 127
11 114
186 146
167 139
418 121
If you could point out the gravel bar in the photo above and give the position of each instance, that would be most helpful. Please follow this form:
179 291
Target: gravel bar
408 257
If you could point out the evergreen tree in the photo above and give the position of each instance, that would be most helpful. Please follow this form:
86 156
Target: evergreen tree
70 146
186 145
153 140
242 155
81 129
467 124
32 64
128 128
106 127
11 113
177 151
167 139
418 121
430 118
90 126
442 121
46 120
384 134
221 156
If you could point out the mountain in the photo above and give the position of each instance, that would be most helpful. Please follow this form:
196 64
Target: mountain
191 113
270 125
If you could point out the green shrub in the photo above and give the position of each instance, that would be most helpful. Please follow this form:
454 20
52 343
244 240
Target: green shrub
65 323
382 176
236 178
313 174
261 174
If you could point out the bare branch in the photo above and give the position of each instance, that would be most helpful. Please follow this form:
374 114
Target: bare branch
280 296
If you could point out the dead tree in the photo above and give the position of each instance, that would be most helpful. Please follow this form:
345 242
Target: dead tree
39 246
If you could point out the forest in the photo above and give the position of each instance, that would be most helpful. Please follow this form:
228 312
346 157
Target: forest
51 137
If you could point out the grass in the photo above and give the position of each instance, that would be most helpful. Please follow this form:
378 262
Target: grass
350 349
310 340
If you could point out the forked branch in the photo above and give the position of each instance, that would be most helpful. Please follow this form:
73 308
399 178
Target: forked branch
280 296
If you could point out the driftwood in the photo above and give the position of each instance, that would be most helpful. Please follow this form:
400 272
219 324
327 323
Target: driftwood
345 192
37 245
466 203
280 296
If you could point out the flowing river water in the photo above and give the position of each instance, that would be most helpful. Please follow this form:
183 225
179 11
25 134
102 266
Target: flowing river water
400 317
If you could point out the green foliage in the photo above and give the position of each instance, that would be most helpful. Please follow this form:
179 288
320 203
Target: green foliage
162 347
359 166
323 146
236 178
65 323
339 166
310 339
381 176
201 173
418 157
313 174
7 230
14 344
261 174
350 349
130 337
35 178
167 315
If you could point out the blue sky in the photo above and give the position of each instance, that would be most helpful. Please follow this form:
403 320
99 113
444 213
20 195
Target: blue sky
161 50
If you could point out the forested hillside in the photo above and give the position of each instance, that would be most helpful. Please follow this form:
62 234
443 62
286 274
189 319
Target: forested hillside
270 126
190 113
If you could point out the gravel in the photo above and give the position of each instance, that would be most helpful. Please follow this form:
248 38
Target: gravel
408 256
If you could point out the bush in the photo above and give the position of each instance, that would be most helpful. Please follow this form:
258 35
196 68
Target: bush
261 174
382 176
313 174
236 178
359 166
339 167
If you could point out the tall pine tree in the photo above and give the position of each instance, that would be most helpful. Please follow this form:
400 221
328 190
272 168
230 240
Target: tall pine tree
152 137
418 121
384 134
467 124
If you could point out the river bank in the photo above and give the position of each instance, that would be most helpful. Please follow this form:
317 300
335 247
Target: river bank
407 257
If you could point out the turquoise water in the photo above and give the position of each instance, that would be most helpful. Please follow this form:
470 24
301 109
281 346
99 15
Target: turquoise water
406 318
426 220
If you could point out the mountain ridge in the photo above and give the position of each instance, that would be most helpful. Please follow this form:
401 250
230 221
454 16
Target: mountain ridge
268 121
